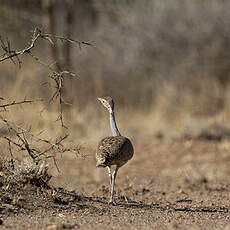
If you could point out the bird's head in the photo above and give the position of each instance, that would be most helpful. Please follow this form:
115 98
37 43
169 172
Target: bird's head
107 102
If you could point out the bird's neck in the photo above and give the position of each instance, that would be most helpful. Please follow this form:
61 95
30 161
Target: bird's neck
113 125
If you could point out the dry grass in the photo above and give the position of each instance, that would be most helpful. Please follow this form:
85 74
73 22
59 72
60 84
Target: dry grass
23 172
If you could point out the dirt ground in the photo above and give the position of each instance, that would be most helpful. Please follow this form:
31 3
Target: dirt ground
180 184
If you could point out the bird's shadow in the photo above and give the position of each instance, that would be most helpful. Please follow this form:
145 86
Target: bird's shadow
169 207
90 201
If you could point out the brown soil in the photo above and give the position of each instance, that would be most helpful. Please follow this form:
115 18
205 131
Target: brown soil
167 185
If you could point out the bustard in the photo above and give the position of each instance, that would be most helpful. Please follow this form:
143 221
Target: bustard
113 150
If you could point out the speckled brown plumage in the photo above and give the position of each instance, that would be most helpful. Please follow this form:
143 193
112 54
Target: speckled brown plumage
114 150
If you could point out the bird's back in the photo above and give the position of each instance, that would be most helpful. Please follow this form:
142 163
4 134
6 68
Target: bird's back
114 150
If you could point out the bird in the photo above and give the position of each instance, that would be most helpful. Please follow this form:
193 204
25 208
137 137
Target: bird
113 150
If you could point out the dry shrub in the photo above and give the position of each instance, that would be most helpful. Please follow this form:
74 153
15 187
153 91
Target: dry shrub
23 172
216 132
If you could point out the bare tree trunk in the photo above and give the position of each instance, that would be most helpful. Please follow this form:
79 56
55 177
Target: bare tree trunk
69 31
49 23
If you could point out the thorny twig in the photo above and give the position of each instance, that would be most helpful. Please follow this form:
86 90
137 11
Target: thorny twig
19 102
36 154
37 33
10 54
13 142
11 154
21 137
57 76
50 37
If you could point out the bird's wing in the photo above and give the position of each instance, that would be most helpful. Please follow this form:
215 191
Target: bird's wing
113 150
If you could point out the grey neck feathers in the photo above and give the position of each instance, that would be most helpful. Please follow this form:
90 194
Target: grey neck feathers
113 124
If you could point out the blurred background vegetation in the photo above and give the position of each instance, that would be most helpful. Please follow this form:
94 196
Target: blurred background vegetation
166 64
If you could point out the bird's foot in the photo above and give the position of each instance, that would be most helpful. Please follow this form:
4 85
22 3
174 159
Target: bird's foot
112 202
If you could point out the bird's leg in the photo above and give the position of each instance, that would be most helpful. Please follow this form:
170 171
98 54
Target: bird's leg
111 201
110 174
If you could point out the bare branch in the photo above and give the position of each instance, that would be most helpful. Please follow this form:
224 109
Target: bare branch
13 142
13 53
36 154
50 36
20 102
9 54
56 165
21 133
11 154
57 76
26 131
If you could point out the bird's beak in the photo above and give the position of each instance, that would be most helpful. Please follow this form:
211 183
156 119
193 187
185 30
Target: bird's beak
99 99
